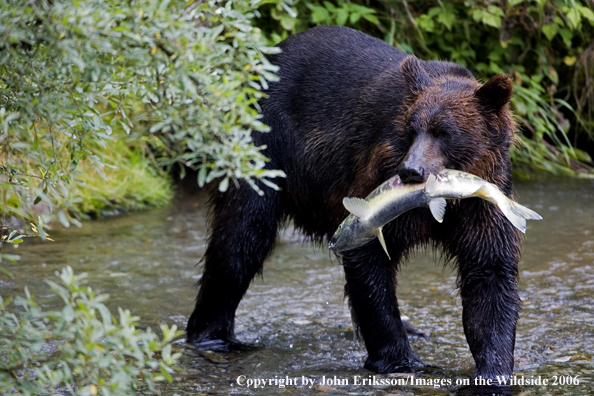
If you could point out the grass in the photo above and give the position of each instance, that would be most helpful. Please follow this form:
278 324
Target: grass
129 181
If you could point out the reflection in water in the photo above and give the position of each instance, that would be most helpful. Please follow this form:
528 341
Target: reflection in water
297 314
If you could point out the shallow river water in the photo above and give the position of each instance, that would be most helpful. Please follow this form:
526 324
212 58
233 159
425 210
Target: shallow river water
296 312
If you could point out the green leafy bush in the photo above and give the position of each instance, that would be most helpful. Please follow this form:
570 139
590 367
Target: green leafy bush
81 348
184 74
547 47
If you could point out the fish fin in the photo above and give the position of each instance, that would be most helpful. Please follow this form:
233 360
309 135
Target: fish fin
380 236
523 211
431 183
358 207
437 207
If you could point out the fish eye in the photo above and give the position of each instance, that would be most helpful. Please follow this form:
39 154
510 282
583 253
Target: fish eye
340 226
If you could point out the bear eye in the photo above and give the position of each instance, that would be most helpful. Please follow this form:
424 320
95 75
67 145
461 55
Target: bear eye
442 130
411 132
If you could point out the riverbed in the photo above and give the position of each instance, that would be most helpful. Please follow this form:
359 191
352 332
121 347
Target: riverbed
297 315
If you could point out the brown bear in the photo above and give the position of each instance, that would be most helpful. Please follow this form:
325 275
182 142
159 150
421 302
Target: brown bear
349 112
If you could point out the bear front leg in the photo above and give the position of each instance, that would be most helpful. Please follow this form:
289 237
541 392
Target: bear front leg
243 232
371 288
488 268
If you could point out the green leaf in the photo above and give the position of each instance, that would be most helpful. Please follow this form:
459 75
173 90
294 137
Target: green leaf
158 126
289 9
188 86
477 14
224 184
202 175
319 14
371 18
288 22
513 3
495 10
587 13
550 31
125 126
165 373
434 11
342 16
567 35
553 75
492 20
163 5
573 17
426 23
7 273
63 219
329 6
447 19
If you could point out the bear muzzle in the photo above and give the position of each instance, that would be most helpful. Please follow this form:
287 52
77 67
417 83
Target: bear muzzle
422 159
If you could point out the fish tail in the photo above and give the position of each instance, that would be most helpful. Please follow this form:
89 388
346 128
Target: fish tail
518 221
523 211
518 214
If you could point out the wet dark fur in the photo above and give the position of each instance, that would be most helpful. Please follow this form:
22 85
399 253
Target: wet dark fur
349 112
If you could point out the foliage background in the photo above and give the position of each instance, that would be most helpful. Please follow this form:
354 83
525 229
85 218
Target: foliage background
81 348
180 80
547 47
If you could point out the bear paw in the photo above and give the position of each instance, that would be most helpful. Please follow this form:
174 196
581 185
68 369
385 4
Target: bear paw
228 345
402 365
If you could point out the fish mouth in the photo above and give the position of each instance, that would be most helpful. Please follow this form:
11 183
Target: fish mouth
335 237
332 246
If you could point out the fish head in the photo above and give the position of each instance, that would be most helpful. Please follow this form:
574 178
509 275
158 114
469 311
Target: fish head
345 237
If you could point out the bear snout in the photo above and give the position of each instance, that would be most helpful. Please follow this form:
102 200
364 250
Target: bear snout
412 175
423 158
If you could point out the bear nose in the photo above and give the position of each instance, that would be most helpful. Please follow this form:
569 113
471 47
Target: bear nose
408 175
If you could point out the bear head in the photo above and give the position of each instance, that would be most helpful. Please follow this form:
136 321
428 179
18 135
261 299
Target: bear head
452 121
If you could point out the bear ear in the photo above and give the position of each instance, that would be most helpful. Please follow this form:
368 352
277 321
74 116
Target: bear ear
416 77
496 92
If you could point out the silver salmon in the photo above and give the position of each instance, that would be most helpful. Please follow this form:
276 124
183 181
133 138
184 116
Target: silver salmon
392 198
